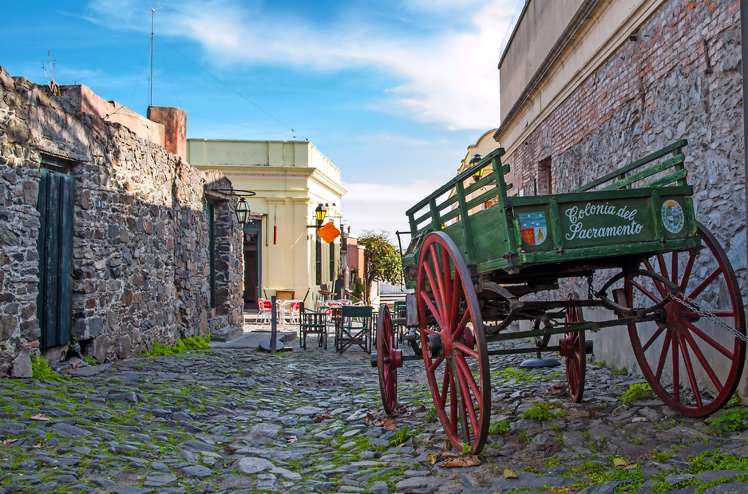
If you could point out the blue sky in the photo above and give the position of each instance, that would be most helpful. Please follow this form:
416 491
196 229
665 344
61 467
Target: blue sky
392 92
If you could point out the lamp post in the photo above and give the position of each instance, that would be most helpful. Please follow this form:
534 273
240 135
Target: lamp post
479 173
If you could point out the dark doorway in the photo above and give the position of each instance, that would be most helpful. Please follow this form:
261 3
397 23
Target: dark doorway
55 246
252 265
544 180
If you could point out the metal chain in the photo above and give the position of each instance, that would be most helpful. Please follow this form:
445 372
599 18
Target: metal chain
691 304
590 292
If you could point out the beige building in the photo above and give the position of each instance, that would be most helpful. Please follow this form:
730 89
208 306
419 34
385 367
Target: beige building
484 145
283 255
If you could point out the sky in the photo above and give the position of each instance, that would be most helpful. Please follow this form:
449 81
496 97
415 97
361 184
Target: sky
392 92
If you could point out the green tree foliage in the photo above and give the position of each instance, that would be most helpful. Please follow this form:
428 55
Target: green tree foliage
382 260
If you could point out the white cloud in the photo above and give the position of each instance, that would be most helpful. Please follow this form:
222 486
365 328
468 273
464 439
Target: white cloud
449 77
377 207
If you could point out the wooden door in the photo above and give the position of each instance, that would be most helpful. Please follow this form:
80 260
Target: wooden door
55 245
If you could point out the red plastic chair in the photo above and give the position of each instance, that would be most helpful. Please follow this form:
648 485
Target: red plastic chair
265 311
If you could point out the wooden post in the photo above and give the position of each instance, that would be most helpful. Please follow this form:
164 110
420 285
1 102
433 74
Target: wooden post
273 323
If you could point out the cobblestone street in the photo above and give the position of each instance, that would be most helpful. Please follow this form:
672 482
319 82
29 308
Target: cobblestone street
236 420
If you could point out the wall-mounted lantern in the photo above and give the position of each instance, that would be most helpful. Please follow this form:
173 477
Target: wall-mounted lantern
474 161
320 214
242 210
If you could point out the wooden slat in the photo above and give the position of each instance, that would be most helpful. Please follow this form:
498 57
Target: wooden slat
447 203
41 245
52 248
477 201
466 226
451 215
436 221
460 177
648 172
636 164
486 181
673 177
65 312
422 219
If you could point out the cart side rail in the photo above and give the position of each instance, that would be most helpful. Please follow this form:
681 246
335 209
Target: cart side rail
652 175
435 211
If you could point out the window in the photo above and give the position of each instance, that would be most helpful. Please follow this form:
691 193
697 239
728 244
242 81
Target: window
543 183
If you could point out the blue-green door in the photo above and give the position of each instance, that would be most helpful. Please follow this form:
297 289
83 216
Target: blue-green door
55 244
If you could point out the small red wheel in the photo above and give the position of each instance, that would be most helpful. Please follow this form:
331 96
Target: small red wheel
693 357
389 359
453 343
574 349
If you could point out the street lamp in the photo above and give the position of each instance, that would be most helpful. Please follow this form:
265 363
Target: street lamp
320 213
478 174
242 208
242 211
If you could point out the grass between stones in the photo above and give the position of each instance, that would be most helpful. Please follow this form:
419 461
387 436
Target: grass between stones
120 417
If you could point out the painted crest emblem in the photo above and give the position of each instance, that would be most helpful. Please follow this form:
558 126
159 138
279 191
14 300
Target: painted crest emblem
672 216
533 227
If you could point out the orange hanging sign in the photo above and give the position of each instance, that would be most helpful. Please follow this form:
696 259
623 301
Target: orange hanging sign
328 233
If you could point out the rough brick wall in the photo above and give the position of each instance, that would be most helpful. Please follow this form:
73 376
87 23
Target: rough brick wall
140 248
682 78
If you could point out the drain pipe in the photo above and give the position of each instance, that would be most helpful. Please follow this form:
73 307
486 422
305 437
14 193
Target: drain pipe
744 49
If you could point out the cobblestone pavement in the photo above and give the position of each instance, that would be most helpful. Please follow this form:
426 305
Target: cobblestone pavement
237 420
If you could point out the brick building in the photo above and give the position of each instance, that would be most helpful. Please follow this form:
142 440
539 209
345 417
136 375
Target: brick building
108 237
590 85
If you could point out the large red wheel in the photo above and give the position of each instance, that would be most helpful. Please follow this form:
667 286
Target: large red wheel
693 357
574 350
453 343
389 359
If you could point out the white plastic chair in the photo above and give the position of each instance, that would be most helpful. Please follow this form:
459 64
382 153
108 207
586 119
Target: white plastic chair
291 309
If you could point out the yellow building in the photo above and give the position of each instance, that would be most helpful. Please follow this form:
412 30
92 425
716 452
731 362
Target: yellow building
484 145
283 255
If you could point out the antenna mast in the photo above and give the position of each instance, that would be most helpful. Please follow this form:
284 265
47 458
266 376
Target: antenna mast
153 13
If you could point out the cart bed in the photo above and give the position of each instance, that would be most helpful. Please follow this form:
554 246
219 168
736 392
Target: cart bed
605 223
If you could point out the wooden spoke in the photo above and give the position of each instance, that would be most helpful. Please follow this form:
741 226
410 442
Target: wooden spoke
389 359
654 337
700 350
663 355
448 309
574 350
709 340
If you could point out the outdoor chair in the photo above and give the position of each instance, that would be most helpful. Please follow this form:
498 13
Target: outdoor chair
354 327
400 312
312 322
291 310
264 311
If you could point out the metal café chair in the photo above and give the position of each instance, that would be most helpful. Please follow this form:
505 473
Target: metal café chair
312 322
354 327
264 311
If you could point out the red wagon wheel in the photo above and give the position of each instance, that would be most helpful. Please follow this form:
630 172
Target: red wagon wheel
573 348
454 344
694 356
389 359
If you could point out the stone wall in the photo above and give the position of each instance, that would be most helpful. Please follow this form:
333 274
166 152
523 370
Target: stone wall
140 247
681 78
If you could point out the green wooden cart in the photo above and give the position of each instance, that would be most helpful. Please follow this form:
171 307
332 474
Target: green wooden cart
479 259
